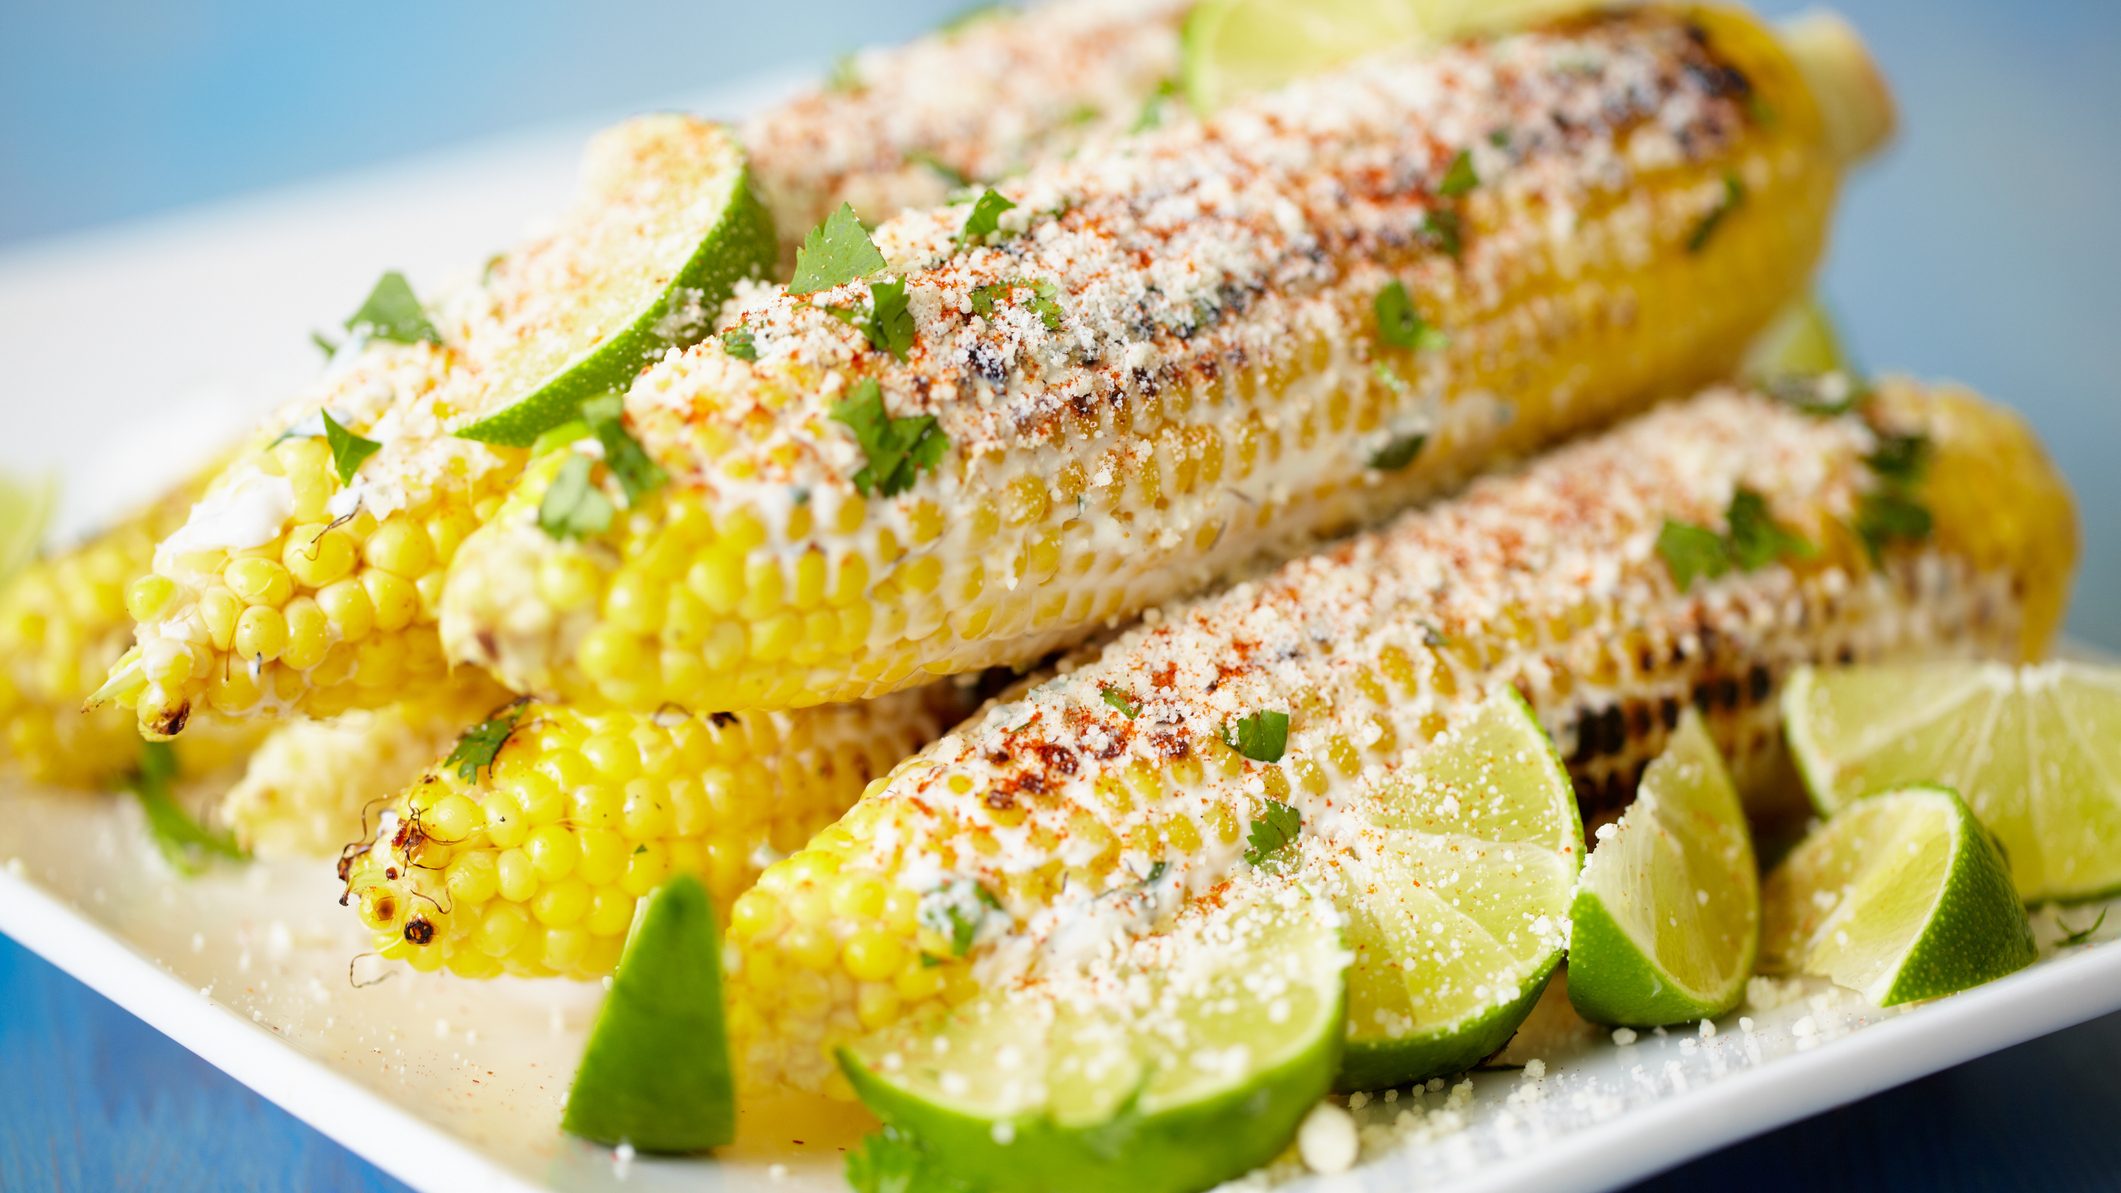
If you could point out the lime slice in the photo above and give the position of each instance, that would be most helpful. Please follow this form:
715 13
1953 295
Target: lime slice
656 1073
1235 48
668 227
2036 751
1802 340
1186 1058
25 511
1457 898
1901 896
1667 915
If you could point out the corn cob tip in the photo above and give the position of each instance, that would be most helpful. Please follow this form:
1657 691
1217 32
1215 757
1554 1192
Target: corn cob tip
1853 92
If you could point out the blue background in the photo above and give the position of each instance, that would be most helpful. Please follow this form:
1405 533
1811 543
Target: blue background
1986 248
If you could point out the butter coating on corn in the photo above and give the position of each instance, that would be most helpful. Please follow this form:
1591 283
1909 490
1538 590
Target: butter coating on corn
307 788
532 866
1179 352
1009 838
300 586
905 126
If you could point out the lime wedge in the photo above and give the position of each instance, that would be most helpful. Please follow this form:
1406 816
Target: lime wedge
1667 914
1183 1059
2036 752
656 1073
1457 898
668 226
1802 340
25 511
1235 48
1901 896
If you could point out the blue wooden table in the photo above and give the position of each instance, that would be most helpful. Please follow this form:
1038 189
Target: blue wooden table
1986 248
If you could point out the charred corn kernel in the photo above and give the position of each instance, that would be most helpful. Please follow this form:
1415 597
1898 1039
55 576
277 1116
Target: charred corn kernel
305 789
1542 573
1505 329
545 852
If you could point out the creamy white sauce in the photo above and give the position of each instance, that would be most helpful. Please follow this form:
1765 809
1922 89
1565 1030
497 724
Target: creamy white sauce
249 513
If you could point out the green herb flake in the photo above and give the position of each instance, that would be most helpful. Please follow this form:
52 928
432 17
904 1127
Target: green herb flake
898 449
183 841
1692 552
955 910
1402 326
1082 114
737 342
1447 231
347 448
986 217
2077 936
392 312
1045 300
574 508
1399 452
889 326
324 344
1734 195
1755 539
1900 459
1272 832
1128 708
1152 113
1890 516
481 744
638 474
844 76
834 253
891 1161
1262 737
1461 179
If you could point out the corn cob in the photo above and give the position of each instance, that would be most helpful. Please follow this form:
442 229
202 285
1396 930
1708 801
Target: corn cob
307 788
903 127
1186 350
531 865
302 584
62 624
1551 580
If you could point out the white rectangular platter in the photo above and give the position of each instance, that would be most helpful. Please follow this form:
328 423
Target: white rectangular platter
450 1086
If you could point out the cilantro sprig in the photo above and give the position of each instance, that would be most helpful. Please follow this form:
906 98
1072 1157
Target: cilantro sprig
1751 541
1272 832
1400 324
898 449
1262 737
392 312
834 253
638 474
481 744
347 448
185 843
738 342
955 911
1460 179
1044 301
985 218
1893 512
573 507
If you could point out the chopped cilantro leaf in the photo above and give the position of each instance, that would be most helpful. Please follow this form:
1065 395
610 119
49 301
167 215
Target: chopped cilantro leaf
481 744
844 75
574 507
1152 113
1756 539
1900 459
890 322
1500 138
986 217
1692 552
834 253
1461 179
891 1161
347 448
737 342
1889 516
1262 737
623 454
1399 452
1432 637
1045 300
183 841
1400 325
1157 870
391 312
1272 832
955 910
324 344
951 175
1733 199
1082 114
1129 709
898 449
1447 231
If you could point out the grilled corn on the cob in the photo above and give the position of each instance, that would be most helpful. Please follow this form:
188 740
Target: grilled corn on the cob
1558 581
62 624
310 786
1177 353
904 127
531 863
305 580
